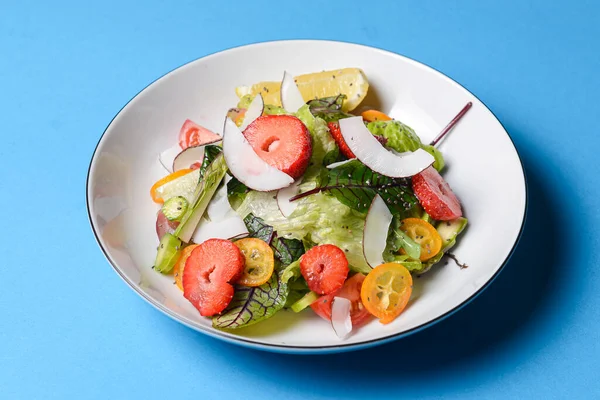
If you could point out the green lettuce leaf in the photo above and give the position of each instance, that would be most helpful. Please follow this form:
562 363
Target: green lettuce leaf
403 138
399 240
268 110
253 304
291 272
245 101
274 110
439 162
322 142
329 108
318 219
355 185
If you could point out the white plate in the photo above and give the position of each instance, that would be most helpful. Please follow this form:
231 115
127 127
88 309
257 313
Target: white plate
483 168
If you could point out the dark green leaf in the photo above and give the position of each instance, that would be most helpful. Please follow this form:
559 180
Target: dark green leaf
328 108
210 153
257 228
332 156
285 250
236 192
253 304
355 185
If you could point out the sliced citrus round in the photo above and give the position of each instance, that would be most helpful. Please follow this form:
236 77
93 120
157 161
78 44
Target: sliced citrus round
386 291
260 261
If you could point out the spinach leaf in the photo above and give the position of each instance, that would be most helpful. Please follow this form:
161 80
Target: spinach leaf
253 304
355 185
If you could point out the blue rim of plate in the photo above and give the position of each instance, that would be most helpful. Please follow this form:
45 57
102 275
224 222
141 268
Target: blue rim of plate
305 349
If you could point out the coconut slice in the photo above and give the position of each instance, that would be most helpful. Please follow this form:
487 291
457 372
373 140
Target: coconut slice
371 152
291 98
339 163
232 226
219 208
340 317
188 157
377 224
167 157
284 195
255 110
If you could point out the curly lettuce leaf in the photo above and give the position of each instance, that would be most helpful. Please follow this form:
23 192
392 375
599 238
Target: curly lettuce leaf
397 240
253 304
291 272
355 185
439 162
274 110
403 138
322 142
318 219
410 261
268 110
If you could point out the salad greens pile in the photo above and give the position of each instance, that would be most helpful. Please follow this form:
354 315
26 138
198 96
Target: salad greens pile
331 208
333 202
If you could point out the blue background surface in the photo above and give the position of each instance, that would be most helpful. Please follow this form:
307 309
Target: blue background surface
71 328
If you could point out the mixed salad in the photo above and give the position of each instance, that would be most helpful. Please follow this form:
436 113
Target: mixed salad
303 204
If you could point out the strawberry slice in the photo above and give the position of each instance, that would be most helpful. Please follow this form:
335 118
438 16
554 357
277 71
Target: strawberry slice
350 291
207 273
192 134
435 195
324 268
334 129
282 141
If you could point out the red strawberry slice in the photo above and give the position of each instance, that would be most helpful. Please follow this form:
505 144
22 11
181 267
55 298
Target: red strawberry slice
282 141
192 134
334 129
435 195
207 273
324 268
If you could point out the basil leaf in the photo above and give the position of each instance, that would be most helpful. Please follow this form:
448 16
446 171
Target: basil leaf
328 108
253 304
355 185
